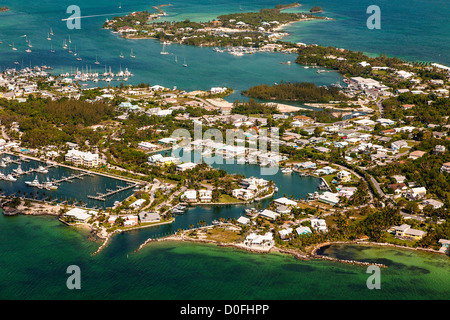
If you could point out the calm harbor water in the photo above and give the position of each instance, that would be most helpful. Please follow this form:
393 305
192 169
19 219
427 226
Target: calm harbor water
36 251
74 191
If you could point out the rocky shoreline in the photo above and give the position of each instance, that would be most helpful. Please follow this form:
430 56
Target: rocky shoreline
295 253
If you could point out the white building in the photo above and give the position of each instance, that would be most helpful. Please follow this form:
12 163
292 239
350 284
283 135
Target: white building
255 240
319 225
329 198
80 215
81 158
189 196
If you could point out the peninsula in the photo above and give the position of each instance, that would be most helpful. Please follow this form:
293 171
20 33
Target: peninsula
248 29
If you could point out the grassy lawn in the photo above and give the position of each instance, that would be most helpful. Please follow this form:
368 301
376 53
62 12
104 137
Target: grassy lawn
223 235
224 198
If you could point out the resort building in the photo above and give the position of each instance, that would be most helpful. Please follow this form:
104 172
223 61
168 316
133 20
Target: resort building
80 158
79 215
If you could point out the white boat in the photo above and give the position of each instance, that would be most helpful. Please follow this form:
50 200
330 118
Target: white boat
51 32
3 164
34 183
10 177
18 170
132 55
286 170
185 64
49 185
121 55
96 60
164 49
14 48
48 37
42 169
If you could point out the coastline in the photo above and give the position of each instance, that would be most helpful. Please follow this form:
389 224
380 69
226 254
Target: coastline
297 254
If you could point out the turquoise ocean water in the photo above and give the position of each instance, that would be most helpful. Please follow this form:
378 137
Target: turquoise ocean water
35 251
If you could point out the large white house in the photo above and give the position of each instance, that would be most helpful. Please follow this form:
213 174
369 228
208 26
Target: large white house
81 158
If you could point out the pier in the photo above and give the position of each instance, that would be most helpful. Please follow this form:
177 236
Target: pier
70 178
103 196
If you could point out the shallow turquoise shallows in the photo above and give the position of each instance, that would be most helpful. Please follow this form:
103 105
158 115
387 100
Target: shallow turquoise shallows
36 251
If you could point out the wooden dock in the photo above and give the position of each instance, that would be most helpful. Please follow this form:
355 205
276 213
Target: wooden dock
103 196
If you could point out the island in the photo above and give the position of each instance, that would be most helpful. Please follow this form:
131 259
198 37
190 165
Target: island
4 9
254 30
316 9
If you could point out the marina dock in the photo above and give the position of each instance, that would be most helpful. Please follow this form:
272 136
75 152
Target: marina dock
103 196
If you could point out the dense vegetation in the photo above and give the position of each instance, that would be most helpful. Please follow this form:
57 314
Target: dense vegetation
252 107
45 122
304 91
437 111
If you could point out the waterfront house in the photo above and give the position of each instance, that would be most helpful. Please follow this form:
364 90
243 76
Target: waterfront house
243 220
325 170
243 194
269 214
205 195
255 240
405 231
445 245
145 216
285 202
329 198
154 158
306 165
189 196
